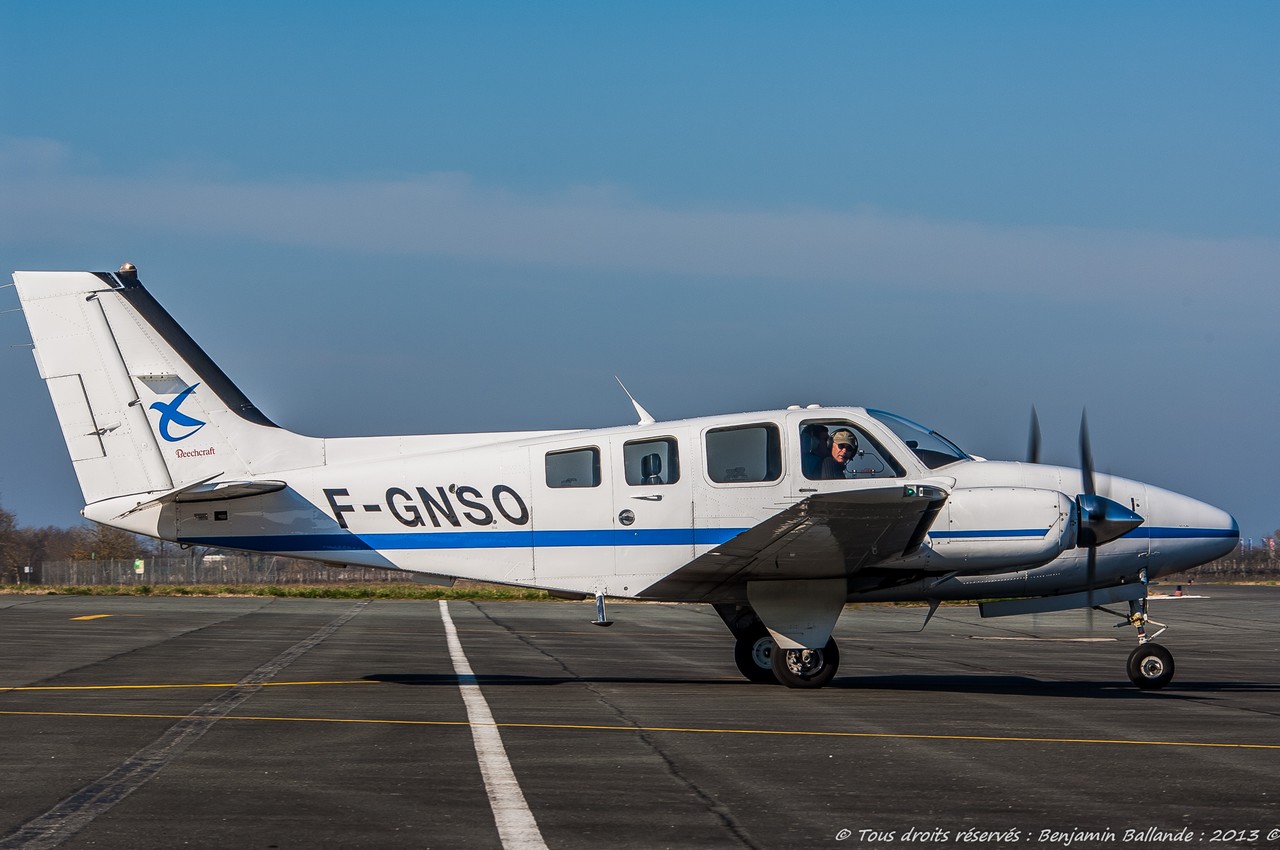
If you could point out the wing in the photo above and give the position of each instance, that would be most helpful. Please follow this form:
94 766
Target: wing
827 535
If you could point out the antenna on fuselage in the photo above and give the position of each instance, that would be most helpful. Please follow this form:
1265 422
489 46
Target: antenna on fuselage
646 418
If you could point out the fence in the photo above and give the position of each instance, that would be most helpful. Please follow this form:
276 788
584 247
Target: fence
209 569
269 569
1236 568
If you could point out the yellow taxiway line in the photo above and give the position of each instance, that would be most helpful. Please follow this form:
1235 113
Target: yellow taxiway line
188 685
995 739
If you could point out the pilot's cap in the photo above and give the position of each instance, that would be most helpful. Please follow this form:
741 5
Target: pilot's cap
844 438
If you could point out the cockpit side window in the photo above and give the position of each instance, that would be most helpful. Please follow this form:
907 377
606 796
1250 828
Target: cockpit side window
835 449
744 454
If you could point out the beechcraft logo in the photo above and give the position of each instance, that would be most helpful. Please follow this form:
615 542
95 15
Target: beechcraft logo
170 415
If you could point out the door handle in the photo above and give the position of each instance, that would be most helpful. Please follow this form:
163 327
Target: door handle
648 498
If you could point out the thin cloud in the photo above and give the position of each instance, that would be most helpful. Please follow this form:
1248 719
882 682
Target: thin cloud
446 214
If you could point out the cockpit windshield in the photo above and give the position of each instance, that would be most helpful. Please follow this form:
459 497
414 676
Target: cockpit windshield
933 449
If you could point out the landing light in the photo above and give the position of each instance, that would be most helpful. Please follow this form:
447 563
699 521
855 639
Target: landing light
911 490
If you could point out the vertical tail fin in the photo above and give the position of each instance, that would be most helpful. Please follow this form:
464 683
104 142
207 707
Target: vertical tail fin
143 409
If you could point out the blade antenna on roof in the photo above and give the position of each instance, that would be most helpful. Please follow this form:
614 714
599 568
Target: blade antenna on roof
646 418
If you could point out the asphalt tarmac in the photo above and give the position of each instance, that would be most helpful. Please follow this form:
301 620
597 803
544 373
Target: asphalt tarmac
275 723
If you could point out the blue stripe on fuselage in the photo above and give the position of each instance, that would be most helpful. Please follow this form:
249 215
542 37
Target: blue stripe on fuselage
1183 533
470 539
351 542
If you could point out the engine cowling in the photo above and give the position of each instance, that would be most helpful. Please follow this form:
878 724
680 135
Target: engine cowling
991 528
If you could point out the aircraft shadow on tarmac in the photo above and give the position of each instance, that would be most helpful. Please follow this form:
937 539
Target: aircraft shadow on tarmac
988 684
968 684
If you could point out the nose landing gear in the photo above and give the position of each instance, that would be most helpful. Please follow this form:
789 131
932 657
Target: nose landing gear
1150 666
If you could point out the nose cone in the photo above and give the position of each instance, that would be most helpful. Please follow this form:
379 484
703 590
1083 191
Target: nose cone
1217 529
1186 533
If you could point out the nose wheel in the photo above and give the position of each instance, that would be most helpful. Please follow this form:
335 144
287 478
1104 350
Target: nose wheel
1150 666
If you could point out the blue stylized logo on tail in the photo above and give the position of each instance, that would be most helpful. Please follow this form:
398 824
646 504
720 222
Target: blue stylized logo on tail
169 414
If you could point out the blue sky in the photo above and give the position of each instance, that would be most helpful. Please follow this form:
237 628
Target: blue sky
410 217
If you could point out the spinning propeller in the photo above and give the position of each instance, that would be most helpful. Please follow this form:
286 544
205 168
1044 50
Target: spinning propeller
1099 520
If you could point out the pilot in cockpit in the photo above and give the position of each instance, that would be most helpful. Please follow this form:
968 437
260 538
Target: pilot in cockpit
844 448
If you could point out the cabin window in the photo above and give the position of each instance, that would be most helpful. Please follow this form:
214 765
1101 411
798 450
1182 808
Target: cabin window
574 468
650 462
836 449
750 453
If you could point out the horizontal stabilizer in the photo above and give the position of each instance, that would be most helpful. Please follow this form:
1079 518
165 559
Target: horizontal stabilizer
217 491
209 490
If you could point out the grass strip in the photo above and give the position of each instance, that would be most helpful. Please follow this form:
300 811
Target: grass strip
379 590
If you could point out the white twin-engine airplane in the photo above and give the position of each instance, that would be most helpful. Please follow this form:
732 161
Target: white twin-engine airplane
776 518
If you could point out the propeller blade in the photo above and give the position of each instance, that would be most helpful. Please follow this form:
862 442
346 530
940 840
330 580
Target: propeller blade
1033 444
1086 514
1091 572
1086 455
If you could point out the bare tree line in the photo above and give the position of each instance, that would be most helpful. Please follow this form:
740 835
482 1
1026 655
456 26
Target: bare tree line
95 555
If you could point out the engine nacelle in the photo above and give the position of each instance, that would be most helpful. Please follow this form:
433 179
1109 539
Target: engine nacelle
993 528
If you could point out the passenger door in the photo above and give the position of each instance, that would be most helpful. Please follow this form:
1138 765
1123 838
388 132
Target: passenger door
573 522
653 508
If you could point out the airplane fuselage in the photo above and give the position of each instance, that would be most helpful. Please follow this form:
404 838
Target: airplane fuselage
490 507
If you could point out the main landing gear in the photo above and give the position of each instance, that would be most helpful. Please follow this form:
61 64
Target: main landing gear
753 653
806 668
759 659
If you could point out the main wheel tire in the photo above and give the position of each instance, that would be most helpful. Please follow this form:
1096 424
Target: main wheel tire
753 653
806 668
1150 666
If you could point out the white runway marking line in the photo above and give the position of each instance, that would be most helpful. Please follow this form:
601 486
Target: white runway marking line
517 828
